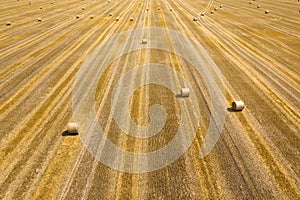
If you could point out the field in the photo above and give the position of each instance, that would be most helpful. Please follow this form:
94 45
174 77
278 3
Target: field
258 54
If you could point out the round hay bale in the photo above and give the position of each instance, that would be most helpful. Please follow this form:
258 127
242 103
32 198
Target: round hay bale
108 1
77 16
131 19
221 6
144 41
258 6
267 11
250 2
158 8
8 23
110 14
212 12
195 19
216 9
83 8
238 105
72 127
171 9
185 92
39 19
91 16
41 8
117 19
147 9
202 14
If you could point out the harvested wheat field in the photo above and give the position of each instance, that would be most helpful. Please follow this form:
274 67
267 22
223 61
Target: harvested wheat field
45 45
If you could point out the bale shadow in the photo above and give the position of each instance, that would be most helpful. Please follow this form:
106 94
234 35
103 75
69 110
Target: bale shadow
66 133
179 96
231 110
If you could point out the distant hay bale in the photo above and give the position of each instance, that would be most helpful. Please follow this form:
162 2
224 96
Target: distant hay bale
144 41
267 11
131 19
77 16
238 105
221 6
216 9
171 9
158 8
110 14
117 19
72 127
41 8
39 19
108 1
185 92
258 6
202 14
8 23
147 9
195 19
250 2
212 12
92 16
83 8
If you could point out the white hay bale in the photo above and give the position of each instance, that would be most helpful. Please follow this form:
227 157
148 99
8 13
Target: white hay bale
202 14
195 19
117 19
158 8
216 9
221 6
131 18
8 23
108 1
91 16
267 11
238 105
110 14
144 41
212 12
83 8
171 9
39 19
72 127
258 6
147 9
77 16
185 92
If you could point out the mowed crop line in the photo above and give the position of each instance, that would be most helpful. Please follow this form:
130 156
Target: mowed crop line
73 47
249 145
48 49
265 20
207 182
258 60
95 162
38 37
45 51
204 166
21 21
